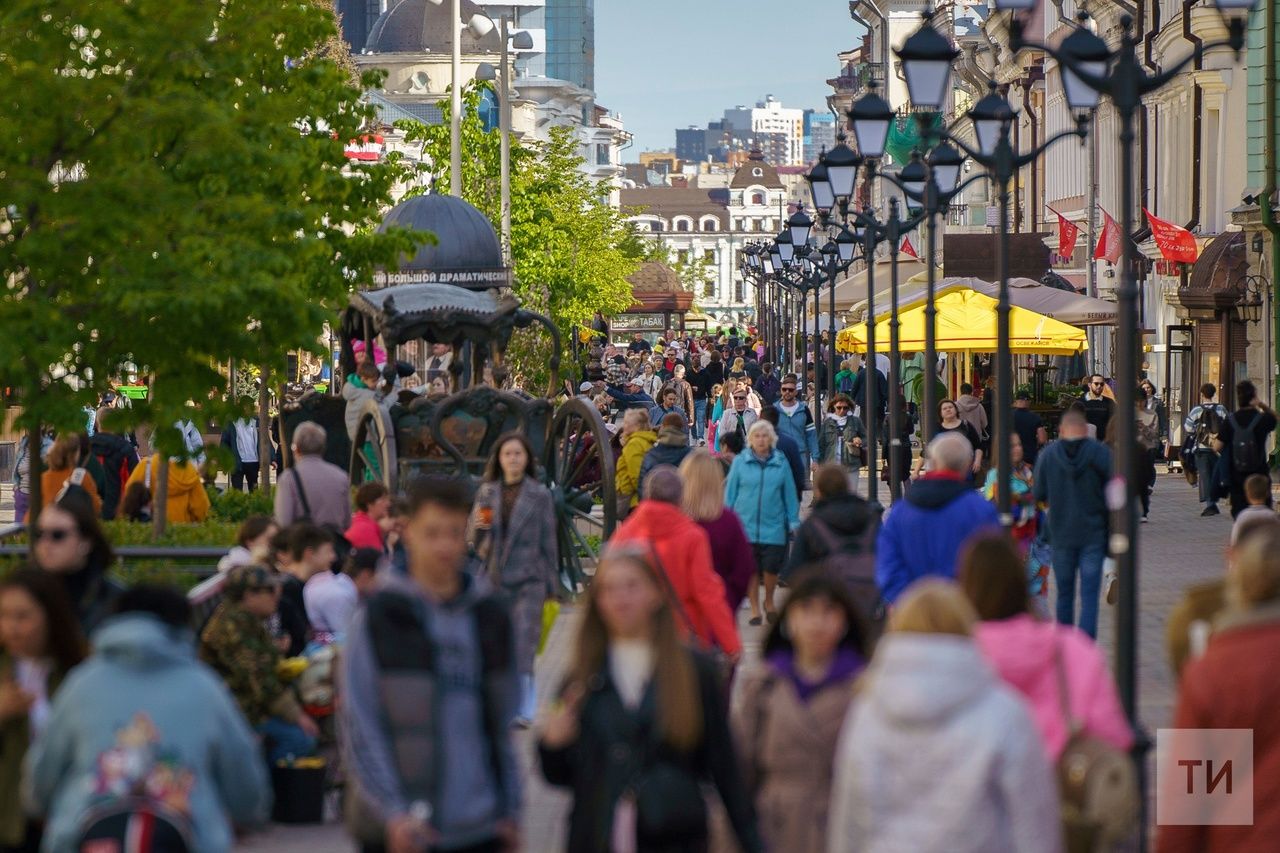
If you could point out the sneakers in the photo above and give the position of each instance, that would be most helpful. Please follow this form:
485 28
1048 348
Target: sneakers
1144 519
1113 589
1211 509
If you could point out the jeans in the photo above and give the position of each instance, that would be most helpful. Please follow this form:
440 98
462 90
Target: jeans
1205 460
1087 561
284 739
699 418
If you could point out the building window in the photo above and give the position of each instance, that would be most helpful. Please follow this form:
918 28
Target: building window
655 226
683 256
757 172
739 291
710 225
709 290
709 255
757 199
683 225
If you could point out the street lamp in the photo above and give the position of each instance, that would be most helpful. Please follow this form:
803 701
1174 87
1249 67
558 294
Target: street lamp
927 56
819 179
1120 74
799 225
842 164
871 116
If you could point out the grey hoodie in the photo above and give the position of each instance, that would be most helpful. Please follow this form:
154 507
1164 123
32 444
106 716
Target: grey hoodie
972 413
938 754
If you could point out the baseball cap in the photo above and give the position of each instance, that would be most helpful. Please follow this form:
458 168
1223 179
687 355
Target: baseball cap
243 579
1022 395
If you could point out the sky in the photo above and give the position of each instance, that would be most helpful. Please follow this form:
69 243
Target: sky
664 64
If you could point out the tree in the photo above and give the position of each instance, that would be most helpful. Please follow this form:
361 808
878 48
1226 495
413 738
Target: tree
177 197
571 252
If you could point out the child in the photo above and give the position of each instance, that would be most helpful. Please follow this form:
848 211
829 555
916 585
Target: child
1257 491
365 384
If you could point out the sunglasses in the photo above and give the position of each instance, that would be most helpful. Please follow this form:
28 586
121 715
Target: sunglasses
1097 384
739 396
785 390
56 534
842 408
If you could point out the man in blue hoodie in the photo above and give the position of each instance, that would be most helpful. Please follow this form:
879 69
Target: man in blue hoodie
142 726
431 693
924 531
1071 476
795 420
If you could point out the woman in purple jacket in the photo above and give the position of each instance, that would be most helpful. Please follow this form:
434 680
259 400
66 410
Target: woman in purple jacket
703 477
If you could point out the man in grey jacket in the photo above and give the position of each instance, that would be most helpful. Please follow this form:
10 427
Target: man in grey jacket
431 691
313 490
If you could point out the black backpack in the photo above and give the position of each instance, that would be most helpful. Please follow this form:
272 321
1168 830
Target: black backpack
1246 454
1208 426
135 824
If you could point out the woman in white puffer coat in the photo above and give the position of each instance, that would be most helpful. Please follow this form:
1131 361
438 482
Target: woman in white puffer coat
937 754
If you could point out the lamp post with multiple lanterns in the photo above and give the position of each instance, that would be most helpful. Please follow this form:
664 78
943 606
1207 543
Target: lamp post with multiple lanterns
1090 69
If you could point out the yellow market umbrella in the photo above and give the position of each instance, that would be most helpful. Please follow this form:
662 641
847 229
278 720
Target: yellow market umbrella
966 321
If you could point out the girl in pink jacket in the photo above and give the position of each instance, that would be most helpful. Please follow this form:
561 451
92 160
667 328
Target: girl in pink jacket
1026 652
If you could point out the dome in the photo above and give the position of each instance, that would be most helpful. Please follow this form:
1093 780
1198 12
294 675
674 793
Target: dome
418 26
465 238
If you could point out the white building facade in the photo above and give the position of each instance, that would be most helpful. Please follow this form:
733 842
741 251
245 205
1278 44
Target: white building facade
769 116
713 224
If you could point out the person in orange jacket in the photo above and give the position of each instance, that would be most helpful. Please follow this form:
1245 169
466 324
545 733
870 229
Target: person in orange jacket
187 500
684 552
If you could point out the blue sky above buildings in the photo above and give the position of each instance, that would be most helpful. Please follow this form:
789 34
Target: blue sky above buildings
665 64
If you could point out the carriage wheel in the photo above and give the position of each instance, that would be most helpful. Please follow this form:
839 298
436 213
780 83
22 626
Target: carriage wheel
373 452
578 468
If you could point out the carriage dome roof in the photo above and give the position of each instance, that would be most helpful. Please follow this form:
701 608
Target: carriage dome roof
465 238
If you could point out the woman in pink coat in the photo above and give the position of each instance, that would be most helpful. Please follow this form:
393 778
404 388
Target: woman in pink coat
1025 651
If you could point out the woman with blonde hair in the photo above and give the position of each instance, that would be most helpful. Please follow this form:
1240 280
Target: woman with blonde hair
635 741
1236 685
762 491
703 501
937 753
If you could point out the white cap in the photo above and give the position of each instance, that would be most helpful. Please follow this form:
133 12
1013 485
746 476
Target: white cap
585 387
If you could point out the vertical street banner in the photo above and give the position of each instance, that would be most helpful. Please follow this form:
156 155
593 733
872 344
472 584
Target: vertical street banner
1068 231
1174 242
908 249
1108 248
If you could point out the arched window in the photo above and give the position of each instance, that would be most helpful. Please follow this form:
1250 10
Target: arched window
655 225
684 225
710 224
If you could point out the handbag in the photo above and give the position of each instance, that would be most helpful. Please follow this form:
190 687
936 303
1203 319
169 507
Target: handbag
1097 783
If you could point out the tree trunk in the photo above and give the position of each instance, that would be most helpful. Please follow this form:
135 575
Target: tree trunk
264 431
35 467
160 498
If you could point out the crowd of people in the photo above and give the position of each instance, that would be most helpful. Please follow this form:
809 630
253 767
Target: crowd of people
916 690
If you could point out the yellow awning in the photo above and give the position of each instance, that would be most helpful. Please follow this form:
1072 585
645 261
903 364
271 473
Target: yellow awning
966 321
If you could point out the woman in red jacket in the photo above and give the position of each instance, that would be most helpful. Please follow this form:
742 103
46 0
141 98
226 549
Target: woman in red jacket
1236 685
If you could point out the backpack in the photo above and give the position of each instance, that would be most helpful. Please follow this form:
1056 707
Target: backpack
856 566
1097 783
1148 430
1208 425
1246 455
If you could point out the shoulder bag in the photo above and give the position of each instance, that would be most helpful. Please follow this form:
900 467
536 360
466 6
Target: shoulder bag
1097 782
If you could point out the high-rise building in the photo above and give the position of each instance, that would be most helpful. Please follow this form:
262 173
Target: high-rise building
819 133
571 42
770 117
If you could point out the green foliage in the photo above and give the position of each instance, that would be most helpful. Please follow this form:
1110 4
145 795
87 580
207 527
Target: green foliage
178 197
570 250
235 506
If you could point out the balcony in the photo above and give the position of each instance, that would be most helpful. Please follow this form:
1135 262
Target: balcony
856 76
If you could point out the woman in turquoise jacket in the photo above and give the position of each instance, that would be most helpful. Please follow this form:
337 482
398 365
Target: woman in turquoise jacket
761 490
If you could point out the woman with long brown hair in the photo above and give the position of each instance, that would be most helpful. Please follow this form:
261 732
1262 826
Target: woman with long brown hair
634 740
39 644
513 529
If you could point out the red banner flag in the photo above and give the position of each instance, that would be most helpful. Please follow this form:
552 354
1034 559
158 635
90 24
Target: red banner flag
1068 231
908 249
1175 243
1108 248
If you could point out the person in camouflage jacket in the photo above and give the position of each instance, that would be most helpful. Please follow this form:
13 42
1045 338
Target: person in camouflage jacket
236 644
